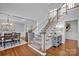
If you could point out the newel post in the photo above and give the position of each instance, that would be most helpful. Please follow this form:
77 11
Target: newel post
44 41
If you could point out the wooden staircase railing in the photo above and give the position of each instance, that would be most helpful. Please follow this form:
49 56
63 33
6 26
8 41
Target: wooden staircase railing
51 20
56 17
39 24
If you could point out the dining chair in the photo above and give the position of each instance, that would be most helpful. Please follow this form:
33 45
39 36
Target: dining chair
0 40
8 38
16 37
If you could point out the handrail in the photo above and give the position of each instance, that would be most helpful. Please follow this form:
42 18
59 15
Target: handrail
39 24
43 21
56 16
49 23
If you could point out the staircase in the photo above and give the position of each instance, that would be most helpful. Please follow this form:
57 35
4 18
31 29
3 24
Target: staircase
48 29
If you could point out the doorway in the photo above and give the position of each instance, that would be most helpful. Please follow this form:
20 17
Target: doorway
71 37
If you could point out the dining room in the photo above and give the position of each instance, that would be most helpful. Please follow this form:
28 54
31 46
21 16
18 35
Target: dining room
12 31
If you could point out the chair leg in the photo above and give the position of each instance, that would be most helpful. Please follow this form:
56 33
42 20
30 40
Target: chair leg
11 44
19 41
14 42
1 44
4 44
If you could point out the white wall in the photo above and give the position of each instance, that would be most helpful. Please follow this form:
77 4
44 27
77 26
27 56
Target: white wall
73 32
72 14
20 28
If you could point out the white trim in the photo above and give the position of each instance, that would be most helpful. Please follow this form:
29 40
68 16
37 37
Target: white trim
43 54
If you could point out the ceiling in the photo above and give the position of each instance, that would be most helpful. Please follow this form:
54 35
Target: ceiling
30 11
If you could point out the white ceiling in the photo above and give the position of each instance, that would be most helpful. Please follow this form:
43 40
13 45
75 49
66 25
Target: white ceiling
33 11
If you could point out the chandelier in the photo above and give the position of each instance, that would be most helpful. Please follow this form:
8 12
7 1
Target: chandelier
7 26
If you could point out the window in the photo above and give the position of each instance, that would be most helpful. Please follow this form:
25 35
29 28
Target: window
70 5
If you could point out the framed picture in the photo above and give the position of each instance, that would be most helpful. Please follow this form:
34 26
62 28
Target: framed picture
68 26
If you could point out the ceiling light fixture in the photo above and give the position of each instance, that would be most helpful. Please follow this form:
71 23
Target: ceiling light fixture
7 26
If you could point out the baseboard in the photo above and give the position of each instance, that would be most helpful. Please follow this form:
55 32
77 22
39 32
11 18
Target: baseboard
43 54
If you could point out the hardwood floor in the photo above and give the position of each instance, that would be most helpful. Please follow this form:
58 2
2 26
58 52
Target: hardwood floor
71 47
23 50
78 52
67 49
